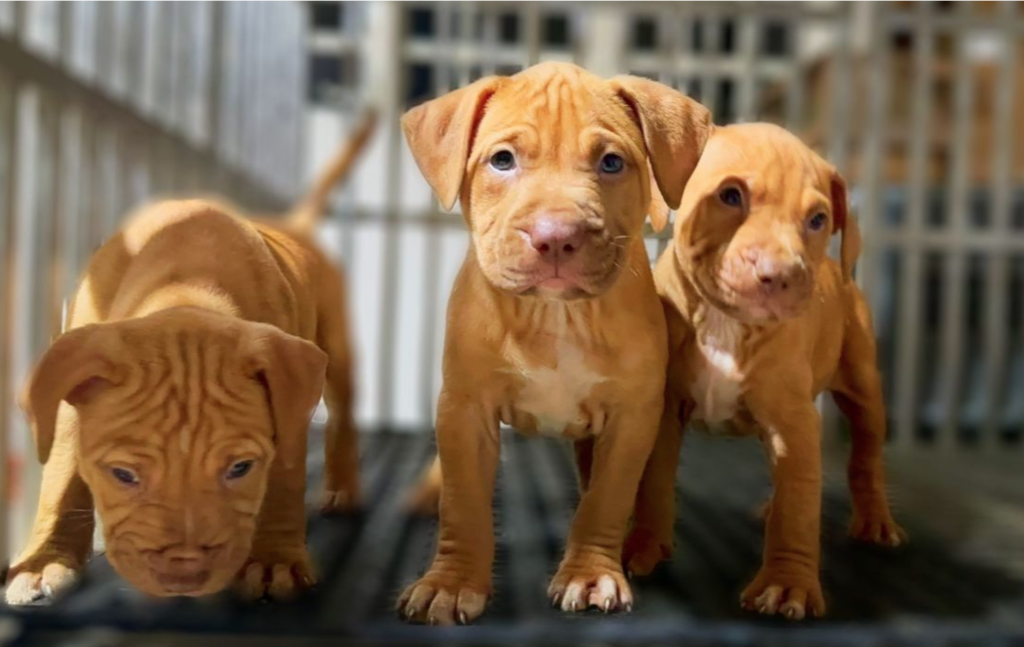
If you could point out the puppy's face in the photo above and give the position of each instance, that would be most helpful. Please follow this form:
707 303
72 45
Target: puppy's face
755 222
556 180
553 173
177 434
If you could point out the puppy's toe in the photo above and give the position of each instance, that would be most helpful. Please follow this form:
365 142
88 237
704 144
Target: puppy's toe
442 598
37 586
643 551
879 529
772 594
281 581
579 585
339 502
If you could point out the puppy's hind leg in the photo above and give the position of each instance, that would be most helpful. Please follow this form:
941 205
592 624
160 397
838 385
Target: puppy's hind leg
341 443
857 391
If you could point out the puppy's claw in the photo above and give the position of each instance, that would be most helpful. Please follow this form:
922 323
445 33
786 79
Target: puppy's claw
607 605
463 618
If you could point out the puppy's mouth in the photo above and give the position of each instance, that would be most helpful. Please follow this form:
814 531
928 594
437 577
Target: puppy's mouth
186 583
756 307
564 282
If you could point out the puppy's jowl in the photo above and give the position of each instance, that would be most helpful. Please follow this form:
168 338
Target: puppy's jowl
178 404
760 322
554 325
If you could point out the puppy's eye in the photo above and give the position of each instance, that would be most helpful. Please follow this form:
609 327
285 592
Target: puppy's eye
731 196
503 161
239 469
124 475
817 222
612 163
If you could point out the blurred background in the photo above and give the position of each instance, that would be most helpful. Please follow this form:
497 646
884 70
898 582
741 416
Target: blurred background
107 104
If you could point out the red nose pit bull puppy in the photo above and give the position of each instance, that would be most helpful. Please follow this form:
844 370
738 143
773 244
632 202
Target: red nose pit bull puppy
554 326
178 402
760 322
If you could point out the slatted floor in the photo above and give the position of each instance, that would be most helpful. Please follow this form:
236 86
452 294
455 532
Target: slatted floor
957 583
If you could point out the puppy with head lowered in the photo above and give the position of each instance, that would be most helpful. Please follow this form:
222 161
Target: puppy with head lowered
554 326
760 322
178 401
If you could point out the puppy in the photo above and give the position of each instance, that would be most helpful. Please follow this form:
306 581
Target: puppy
178 401
554 326
760 322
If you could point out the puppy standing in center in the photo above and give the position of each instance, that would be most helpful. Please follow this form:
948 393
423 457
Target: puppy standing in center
554 325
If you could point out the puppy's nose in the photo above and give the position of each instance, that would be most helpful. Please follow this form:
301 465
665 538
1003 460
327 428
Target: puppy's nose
557 237
774 274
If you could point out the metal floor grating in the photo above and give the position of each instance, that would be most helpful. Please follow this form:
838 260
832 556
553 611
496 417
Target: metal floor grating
926 593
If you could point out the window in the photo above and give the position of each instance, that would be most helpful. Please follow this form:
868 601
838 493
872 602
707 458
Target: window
324 77
727 45
421 23
508 28
697 35
419 83
725 101
327 16
694 88
508 70
645 34
555 31
775 39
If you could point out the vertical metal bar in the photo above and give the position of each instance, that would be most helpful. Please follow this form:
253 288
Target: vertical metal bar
8 180
389 270
908 336
795 91
748 26
958 207
875 149
839 143
997 276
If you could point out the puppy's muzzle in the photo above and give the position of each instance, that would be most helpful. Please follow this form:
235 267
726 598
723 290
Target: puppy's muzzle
771 276
180 570
557 238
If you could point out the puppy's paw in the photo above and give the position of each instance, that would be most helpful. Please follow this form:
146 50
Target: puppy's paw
279 575
443 597
878 528
582 582
644 550
34 582
340 501
791 597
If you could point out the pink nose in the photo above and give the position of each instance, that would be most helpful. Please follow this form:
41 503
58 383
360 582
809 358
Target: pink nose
773 274
557 237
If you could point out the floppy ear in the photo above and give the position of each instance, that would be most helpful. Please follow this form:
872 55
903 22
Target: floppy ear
292 372
659 209
675 129
79 364
849 248
440 134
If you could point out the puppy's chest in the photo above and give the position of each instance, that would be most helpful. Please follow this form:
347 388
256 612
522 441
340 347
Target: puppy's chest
715 376
554 393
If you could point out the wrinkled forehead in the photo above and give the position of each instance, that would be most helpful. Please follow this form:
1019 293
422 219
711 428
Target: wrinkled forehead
560 107
777 167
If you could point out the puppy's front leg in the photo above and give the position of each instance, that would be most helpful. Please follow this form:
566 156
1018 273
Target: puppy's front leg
279 565
591 571
788 581
458 583
61 538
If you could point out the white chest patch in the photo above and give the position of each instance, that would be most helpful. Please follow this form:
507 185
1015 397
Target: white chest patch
717 387
552 395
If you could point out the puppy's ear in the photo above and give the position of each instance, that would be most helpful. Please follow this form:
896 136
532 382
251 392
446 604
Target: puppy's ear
659 210
675 129
440 134
842 221
292 372
77 366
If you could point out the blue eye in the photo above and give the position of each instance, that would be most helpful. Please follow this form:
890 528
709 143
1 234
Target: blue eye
124 475
503 161
731 196
239 469
817 222
612 163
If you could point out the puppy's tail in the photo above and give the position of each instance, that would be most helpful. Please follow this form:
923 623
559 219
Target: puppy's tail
305 216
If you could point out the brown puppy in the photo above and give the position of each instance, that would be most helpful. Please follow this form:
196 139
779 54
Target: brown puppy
554 325
760 322
178 403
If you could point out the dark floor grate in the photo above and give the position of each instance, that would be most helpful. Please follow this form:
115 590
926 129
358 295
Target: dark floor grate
919 594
